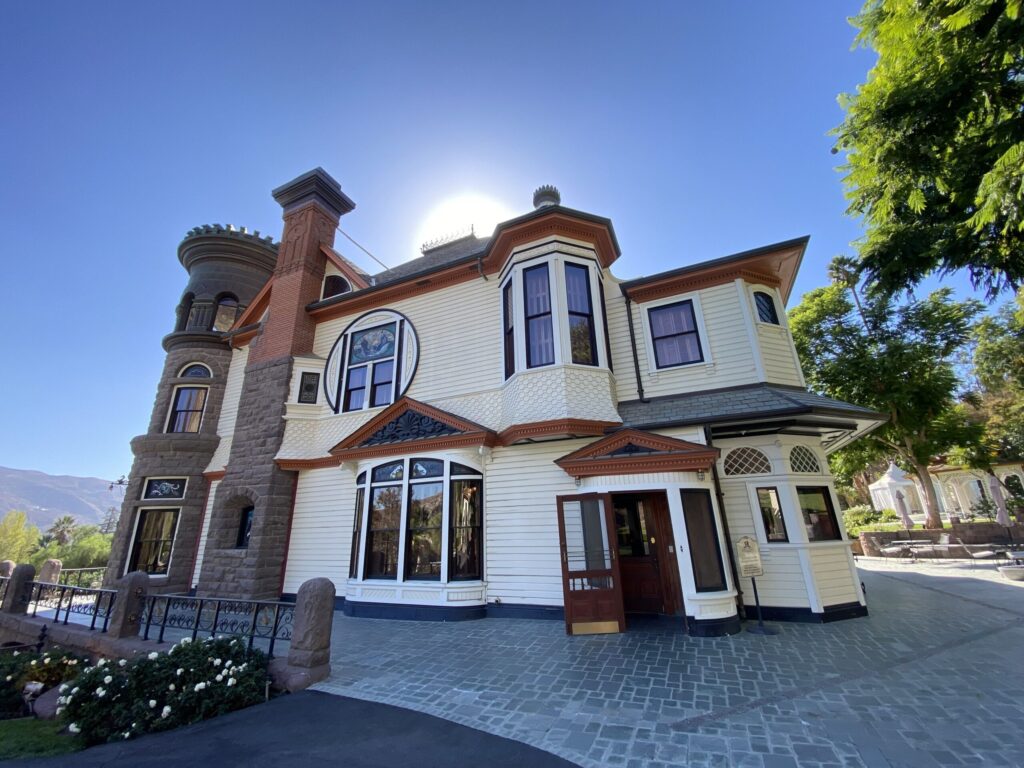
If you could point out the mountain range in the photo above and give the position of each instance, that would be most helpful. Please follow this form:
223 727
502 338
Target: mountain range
44 498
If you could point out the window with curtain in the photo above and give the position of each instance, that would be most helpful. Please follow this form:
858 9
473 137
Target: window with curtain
153 541
674 334
582 339
540 340
187 409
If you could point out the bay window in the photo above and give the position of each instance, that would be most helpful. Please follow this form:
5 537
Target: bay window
423 522
552 314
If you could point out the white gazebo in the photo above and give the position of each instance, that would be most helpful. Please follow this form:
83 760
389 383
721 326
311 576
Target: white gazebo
884 489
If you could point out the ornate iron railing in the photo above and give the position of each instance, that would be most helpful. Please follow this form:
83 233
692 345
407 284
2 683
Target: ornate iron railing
4 581
96 605
253 619
82 577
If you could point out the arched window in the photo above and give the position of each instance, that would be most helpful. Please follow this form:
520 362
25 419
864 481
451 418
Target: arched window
335 285
765 304
747 461
244 527
195 371
227 313
801 459
409 504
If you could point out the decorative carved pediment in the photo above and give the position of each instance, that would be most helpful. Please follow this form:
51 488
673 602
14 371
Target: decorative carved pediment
409 425
632 451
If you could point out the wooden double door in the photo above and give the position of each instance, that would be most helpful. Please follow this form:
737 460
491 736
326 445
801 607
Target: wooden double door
618 556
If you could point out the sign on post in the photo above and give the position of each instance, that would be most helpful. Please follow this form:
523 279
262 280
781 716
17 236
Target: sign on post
748 557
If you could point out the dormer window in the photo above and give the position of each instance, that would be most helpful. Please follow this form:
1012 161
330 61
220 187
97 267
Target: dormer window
227 312
766 312
335 285
553 303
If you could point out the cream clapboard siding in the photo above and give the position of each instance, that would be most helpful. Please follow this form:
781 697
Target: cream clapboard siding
321 534
229 409
619 342
459 332
732 361
207 513
832 574
521 556
780 361
783 584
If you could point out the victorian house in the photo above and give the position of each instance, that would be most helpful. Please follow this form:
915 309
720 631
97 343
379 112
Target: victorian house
500 427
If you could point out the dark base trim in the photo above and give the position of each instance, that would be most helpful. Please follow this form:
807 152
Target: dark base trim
289 597
806 615
519 611
412 612
713 627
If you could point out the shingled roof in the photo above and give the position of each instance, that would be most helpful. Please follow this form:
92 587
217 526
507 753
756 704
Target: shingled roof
434 258
735 403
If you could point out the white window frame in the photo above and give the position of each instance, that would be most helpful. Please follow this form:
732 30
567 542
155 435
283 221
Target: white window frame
561 338
702 333
174 398
147 480
135 527
371 367
186 366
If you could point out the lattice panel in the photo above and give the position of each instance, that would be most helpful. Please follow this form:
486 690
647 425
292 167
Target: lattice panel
747 461
801 459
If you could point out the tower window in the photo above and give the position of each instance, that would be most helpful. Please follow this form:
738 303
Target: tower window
227 313
335 285
187 409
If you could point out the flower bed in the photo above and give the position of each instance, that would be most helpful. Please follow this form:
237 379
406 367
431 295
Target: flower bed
18 668
193 681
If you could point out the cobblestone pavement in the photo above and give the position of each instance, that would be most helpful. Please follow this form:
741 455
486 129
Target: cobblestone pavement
932 677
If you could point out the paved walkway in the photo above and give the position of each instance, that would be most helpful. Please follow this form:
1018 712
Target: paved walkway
932 677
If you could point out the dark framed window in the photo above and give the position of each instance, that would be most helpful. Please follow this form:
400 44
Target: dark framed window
540 340
765 304
771 514
227 313
309 387
423 531
582 338
382 532
187 409
335 285
164 488
819 513
372 354
357 522
674 335
467 496
244 527
195 371
153 541
702 534
509 329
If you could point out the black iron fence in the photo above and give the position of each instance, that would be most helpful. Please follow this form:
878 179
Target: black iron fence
82 577
90 607
256 620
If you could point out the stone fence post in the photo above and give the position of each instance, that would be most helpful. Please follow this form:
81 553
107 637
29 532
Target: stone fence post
309 657
19 589
129 605
6 568
50 572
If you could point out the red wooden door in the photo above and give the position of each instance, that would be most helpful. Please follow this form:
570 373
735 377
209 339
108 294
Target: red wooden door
638 555
591 583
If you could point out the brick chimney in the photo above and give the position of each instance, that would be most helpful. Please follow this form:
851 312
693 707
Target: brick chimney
313 203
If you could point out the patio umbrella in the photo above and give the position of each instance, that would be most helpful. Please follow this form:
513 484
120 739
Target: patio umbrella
901 507
997 496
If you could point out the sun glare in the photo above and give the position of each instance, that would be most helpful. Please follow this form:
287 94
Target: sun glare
457 214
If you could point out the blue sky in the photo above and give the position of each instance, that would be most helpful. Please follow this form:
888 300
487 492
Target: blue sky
699 129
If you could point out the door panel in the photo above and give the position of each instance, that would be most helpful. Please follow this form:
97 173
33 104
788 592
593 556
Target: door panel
638 556
591 582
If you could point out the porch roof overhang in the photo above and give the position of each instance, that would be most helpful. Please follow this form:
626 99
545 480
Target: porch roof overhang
633 451
408 426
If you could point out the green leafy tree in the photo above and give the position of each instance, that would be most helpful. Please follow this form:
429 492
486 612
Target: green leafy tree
18 539
935 142
63 529
896 359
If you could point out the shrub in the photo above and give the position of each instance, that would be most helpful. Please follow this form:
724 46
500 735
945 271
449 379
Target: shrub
193 681
17 668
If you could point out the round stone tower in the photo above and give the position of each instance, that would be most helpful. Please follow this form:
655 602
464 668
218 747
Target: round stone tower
162 512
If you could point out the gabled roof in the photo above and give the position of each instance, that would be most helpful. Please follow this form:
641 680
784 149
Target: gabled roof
631 451
409 425
357 277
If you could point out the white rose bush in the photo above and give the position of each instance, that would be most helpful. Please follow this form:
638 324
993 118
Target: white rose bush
51 668
121 699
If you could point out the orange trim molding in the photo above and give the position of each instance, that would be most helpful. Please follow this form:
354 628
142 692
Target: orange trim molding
215 475
554 428
255 309
694 281
467 433
295 465
660 454
554 224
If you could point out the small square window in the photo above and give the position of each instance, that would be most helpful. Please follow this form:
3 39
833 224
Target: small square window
308 387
